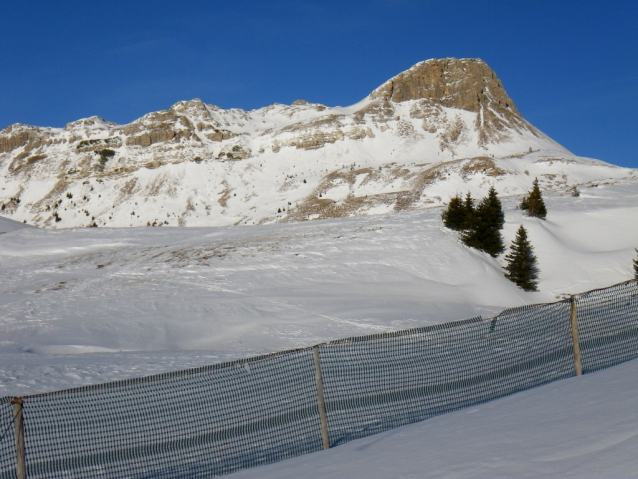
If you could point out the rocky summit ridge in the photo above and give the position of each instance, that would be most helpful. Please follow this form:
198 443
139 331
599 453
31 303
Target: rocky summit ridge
441 127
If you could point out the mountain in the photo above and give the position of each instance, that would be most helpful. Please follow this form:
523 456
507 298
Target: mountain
440 128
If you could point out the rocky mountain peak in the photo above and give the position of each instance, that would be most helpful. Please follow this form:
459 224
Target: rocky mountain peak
195 106
455 83
409 144
93 122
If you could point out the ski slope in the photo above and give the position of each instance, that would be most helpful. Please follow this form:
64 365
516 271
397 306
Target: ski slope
581 427
83 306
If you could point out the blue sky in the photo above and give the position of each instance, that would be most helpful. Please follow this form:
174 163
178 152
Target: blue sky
571 67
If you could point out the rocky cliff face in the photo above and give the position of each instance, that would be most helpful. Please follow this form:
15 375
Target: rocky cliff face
438 123
467 84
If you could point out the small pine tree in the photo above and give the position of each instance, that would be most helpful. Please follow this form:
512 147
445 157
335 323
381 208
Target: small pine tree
460 213
484 229
636 266
469 210
521 263
533 203
454 215
492 204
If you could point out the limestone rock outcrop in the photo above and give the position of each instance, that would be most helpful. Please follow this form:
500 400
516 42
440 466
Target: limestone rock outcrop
199 164
451 82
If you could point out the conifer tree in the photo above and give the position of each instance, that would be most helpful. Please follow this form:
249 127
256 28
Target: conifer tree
469 210
484 230
533 203
521 263
454 215
459 213
636 266
492 204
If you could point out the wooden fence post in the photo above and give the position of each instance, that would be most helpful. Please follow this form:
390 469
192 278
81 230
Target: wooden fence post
322 405
574 321
21 465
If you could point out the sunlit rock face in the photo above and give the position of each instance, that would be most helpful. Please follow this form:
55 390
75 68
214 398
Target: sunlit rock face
438 128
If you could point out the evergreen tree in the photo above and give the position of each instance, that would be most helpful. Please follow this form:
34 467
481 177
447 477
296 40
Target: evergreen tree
492 204
636 266
533 203
484 229
469 210
521 263
459 213
454 215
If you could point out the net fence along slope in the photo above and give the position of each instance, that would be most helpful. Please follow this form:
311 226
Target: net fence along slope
7 439
217 419
372 384
196 423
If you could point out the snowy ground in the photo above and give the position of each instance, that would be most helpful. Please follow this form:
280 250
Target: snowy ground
91 305
585 427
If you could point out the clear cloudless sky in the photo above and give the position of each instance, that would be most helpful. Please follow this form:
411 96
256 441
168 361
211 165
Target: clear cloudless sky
571 67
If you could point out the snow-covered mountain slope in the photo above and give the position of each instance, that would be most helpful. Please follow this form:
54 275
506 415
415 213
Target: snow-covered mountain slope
82 306
441 127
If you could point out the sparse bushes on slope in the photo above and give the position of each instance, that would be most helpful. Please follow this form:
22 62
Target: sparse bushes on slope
105 155
521 265
636 266
106 152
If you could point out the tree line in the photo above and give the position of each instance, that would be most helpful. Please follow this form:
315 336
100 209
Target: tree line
480 226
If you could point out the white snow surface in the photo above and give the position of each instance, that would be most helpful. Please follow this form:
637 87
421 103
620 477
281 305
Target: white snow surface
581 427
83 306
89 305
7 225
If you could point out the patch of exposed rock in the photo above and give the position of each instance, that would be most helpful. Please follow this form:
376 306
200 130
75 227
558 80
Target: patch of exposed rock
96 172
30 137
466 84
451 82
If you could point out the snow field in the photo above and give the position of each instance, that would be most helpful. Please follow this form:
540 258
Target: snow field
88 305
581 427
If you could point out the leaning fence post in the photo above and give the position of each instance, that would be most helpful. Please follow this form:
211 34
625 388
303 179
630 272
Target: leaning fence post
21 465
574 320
322 405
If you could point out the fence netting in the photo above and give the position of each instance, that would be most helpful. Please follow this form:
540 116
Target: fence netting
608 325
7 439
196 423
214 420
376 383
